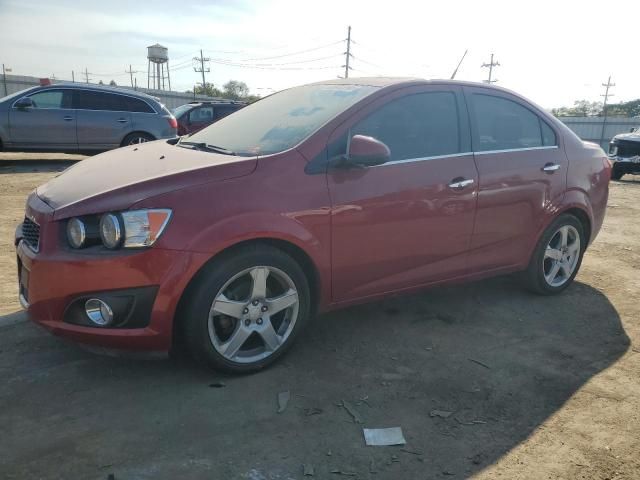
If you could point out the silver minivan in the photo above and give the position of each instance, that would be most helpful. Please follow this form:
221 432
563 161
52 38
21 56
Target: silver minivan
70 117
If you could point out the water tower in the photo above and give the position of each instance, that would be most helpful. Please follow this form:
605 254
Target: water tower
158 57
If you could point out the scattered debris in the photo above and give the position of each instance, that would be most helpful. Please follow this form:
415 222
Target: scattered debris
428 348
217 385
365 400
412 452
312 411
479 363
440 413
447 472
636 350
393 459
341 472
352 411
476 459
378 437
329 453
283 400
308 470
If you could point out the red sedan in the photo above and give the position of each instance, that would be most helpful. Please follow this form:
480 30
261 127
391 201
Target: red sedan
311 199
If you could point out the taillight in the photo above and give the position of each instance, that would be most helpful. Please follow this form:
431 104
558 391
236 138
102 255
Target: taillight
173 123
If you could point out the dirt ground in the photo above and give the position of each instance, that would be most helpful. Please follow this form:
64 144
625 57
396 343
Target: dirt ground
538 388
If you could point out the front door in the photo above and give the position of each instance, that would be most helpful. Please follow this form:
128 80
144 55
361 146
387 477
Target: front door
407 222
49 123
523 172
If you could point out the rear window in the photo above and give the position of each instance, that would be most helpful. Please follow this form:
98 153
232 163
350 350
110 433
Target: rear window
91 100
136 105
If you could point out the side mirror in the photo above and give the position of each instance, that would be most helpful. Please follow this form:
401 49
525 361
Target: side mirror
367 151
24 102
633 129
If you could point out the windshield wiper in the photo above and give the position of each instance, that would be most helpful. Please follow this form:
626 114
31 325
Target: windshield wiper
206 146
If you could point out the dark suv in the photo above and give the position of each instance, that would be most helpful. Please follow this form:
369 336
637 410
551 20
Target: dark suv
624 153
195 116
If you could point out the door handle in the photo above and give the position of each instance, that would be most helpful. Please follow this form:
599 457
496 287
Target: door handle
67 118
550 167
122 120
459 183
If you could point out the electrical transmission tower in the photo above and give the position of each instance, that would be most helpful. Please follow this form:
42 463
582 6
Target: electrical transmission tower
201 69
606 96
347 54
490 65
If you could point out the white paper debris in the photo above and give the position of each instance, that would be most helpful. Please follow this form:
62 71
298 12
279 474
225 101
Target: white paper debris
383 436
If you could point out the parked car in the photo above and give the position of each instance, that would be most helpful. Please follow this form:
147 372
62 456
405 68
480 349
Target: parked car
311 199
72 117
624 152
194 116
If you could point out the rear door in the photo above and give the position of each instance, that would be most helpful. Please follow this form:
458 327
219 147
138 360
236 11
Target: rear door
200 117
522 177
49 123
103 119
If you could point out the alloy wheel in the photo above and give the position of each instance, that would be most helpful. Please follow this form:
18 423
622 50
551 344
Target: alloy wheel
561 256
253 314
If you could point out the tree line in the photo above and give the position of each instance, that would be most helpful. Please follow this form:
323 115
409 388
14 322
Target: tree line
232 90
585 108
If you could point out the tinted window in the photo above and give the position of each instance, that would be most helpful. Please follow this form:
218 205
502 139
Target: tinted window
136 105
548 136
51 99
415 126
223 111
503 125
201 115
282 120
88 100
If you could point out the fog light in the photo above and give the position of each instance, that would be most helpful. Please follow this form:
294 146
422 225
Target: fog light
98 312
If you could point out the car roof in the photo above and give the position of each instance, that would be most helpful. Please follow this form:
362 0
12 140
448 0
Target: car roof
102 88
222 101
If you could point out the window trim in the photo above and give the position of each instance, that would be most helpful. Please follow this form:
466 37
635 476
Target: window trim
79 90
468 94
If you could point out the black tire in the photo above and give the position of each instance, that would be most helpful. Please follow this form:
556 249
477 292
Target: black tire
617 173
195 313
534 276
137 137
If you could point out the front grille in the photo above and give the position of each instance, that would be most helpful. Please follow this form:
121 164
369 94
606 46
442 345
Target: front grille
31 233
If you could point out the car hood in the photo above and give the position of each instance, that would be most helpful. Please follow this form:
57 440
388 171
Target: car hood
629 137
117 179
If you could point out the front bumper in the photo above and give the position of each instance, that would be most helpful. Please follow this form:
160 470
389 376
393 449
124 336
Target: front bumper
56 280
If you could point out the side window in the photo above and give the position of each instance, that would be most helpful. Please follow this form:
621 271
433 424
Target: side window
201 115
548 136
416 126
89 100
52 99
224 111
504 125
136 105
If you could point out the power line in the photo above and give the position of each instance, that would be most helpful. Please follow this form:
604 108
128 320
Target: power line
292 53
258 67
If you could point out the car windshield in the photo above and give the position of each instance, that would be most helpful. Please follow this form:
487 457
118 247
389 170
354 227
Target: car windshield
178 111
281 121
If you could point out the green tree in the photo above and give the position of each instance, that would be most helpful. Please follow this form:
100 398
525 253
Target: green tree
235 90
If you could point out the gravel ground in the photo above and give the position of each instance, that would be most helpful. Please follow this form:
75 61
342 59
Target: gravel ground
537 387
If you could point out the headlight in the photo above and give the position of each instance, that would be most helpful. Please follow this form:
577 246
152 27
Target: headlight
76 233
110 230
135 228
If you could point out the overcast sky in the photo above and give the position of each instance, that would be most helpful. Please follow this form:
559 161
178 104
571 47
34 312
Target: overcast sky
553 52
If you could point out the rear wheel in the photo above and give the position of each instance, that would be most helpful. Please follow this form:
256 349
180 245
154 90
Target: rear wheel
137 137
246 309
557 257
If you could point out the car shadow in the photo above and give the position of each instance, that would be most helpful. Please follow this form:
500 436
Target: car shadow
468 372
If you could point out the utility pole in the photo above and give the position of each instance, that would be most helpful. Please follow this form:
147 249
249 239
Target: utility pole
604 105
73 76
4 78
347 54
491 65
86 75
131 72
201 69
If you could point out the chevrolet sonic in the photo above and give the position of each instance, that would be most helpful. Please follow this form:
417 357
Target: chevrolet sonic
311 199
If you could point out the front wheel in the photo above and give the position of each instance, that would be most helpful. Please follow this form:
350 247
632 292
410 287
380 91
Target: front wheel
617 172
246 309
557 257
